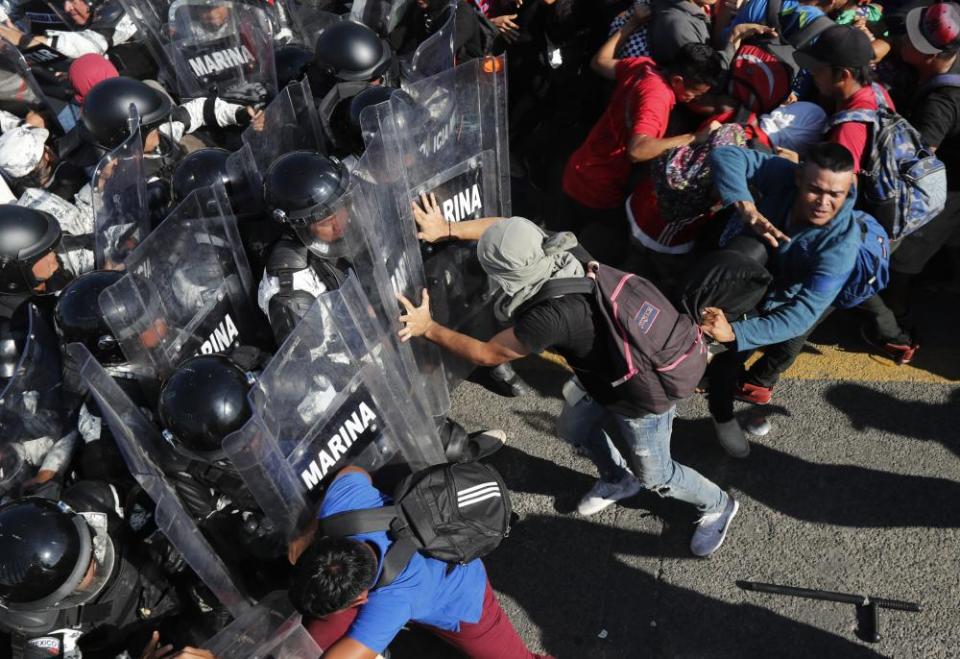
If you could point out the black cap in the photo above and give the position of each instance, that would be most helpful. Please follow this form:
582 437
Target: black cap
841 46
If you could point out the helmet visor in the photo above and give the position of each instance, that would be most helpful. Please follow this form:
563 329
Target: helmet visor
102 560
323 230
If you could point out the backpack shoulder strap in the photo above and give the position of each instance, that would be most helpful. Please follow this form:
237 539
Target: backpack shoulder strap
846 116
814 29
558 288
355 522
943 80
395 560
773 13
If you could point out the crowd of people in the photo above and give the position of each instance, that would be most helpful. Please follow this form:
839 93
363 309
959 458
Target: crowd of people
210 210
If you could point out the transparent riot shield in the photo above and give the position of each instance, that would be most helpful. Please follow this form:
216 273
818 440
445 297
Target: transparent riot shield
436 54
187 291
150 17
394 266
246 183
381 15
223 47
448 137
145 452
311 19
270 630
19 89
289 123
331 396
121 214
31 393
102 15
210 46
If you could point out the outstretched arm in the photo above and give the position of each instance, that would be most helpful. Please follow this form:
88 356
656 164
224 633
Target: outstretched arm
502 348
434 227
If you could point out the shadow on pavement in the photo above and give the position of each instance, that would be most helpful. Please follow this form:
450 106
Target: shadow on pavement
844 495
572 578
934 319
869 409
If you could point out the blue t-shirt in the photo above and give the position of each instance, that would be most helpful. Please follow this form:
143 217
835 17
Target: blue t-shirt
424 592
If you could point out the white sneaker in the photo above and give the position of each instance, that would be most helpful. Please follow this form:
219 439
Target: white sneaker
603 494
712 529
731 438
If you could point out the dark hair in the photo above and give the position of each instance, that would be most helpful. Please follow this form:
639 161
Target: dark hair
697 64
829 155
862 75
330 574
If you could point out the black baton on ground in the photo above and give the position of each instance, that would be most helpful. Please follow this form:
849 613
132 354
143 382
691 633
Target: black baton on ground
867 606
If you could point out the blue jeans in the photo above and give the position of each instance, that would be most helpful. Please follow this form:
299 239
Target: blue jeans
648 439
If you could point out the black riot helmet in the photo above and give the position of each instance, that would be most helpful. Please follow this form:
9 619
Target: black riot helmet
29 239
53 557
78 318
202 402
291 62
200 169
351 52
303 189
374 95
106 110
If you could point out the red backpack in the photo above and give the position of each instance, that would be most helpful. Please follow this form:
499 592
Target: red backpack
762 71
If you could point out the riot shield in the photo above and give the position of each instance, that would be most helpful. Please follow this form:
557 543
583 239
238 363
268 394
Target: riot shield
144 451
187 289
205 47
223 47
121 214
331 396
19 89
311 19
31 394
102 15
451 141
150 17
394 266
246 183
270 630
383 16
289 123
437 52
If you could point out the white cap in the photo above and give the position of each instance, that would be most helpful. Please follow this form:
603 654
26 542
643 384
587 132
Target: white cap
21 149
795 126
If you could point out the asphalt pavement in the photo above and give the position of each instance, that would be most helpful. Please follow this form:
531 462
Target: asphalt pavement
855 489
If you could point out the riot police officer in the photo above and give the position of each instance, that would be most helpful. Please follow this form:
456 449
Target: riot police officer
200 404
36 258
35 449
206 167
302 191
292 62
78 319
71 583
348 58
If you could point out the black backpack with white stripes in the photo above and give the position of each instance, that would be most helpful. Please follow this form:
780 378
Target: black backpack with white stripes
452 512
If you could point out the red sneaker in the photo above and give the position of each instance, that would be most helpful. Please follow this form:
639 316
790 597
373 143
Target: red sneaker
751 393
901 350
901 353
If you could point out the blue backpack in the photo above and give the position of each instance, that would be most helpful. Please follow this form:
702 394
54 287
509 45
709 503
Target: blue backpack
871 271
902 184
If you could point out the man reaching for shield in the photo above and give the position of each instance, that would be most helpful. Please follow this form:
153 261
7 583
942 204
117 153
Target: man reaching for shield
520 258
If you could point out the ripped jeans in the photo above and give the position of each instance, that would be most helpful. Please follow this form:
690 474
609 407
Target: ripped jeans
648 439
